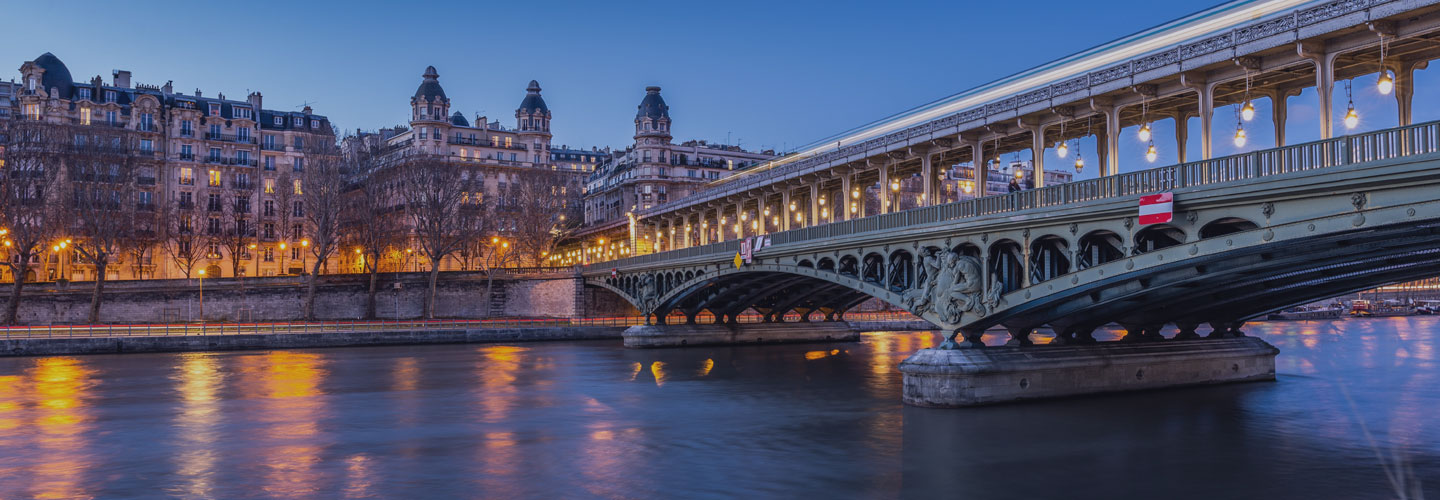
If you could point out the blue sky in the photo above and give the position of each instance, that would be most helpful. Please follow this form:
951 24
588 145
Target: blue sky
764 74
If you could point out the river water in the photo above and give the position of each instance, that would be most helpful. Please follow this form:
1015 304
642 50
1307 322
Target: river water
1353 415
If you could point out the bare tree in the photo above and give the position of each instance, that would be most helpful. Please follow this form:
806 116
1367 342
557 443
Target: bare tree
284 200
184 242
102 167
237 226
34 154
544 212
372 222
321 190
441 214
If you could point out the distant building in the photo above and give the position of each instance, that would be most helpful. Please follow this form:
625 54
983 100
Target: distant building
654 171
206 155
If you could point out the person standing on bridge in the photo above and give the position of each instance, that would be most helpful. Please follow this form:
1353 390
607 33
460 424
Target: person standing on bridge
1029 182
1014 185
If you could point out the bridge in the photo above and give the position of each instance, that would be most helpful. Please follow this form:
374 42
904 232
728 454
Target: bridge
1251 233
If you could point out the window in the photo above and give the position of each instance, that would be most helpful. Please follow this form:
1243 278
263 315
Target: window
297 189
147 146
507 142
32 111
185 228
299 165
242 180
186 153
242 205
270 163
299 121
85 93
213 228
30 85
299 209
213 203
512 156
314 123
215 155
214 178
110 118
269 209
295 251
147 122
269 186
109 96
214 246
299 142
269 252
269 141
279 122
84 116
243 134
243 157
187 177
241 113
214 109
186 128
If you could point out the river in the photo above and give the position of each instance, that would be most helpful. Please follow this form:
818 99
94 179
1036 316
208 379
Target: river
1353 415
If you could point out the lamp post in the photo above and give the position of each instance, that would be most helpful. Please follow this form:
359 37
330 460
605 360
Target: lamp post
202 296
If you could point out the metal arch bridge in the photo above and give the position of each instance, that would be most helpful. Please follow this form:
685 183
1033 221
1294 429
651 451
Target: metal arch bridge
1252 233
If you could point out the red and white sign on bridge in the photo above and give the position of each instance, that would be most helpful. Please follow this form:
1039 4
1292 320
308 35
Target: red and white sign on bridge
1157 208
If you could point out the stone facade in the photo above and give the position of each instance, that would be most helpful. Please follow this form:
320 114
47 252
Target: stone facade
202 155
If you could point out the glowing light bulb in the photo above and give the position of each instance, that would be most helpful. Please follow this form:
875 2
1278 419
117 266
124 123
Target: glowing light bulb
855 193
1386 84
1062 150
1079 163
968 188
1145 132
895 186
1239 136
1248 111
1150 153
1351 117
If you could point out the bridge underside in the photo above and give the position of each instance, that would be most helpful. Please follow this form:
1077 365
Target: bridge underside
1226 289
772 295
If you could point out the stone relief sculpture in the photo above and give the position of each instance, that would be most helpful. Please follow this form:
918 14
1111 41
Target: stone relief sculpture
953 285
649 295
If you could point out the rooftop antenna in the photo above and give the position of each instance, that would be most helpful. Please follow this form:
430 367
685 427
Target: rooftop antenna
307 103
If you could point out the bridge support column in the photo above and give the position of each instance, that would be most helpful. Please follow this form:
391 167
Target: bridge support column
884 190
785 212
951 378
1324 83
1405 90
1182 134
814 203
1279 111
1037 154
845 198
927 172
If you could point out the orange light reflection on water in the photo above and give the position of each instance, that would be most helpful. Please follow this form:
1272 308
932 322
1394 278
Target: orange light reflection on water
199 380
61 420
291 407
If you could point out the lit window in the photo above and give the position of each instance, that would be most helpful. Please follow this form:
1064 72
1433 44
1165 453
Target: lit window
269 186
32 111
84 116
215 178
507 142
214 109
187 176
297 187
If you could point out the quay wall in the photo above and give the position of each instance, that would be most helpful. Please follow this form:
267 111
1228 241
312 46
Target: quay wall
338 297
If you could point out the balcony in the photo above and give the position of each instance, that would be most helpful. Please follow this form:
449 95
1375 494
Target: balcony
145 181
210 136
145 207
215 160
187 132
187 181
241 185
185 205
272 147
185 157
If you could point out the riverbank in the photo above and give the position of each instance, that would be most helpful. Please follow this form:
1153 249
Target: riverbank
41 346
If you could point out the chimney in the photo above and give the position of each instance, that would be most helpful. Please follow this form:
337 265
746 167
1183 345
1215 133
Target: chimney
255 100
306 110
122 78
169 87
197 92
221 96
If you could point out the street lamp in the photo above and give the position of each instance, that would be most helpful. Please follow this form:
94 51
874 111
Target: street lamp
202 295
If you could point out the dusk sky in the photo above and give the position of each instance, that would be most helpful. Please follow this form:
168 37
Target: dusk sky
764 74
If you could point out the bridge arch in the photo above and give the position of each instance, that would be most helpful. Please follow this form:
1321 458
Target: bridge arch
1007 264
772 290
1157 237
1049 258
1226 225
872 268
849 266
1098 247
825 264
901 275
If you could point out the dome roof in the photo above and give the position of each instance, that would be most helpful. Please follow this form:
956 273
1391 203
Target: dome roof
459 120
430 87
533 103
653 106
56 75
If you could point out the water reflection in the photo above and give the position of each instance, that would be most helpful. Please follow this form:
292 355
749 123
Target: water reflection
198 379
560 420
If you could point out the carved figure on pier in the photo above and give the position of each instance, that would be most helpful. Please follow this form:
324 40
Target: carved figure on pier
952 286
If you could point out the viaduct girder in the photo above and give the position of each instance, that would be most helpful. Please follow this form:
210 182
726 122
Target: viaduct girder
1240 246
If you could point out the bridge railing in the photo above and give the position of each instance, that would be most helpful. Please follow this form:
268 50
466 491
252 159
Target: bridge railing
1418 139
